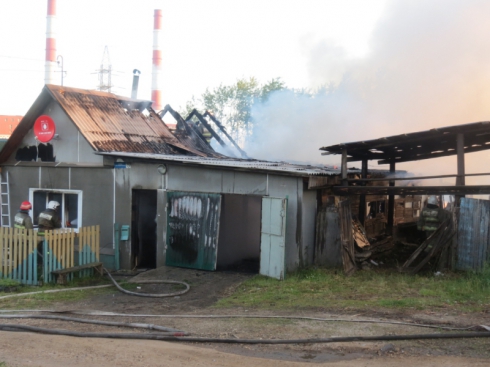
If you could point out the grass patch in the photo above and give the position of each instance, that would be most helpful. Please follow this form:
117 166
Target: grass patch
321 288
8 283
47 299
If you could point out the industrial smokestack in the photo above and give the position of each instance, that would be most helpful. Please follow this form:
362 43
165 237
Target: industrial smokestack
156 93
50 64
136 79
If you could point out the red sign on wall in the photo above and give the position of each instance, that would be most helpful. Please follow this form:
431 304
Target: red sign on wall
44 128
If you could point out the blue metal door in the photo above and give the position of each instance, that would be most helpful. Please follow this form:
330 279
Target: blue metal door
273 237
192 230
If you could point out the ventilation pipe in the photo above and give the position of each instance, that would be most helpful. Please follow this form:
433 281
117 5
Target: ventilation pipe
136 79
156 93
50 64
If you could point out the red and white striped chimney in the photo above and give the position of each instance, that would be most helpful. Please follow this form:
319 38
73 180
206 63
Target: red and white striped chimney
156 93
50 64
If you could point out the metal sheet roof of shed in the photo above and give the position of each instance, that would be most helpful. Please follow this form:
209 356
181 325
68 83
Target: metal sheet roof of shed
245 164
433 143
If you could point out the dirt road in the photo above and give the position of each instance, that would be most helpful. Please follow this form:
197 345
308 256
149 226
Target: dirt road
25 349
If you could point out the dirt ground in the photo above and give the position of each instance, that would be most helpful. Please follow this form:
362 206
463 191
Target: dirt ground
28 349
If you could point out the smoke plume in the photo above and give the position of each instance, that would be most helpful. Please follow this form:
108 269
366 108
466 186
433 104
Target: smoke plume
428 66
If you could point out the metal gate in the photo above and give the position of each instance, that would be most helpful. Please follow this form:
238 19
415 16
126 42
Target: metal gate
192 230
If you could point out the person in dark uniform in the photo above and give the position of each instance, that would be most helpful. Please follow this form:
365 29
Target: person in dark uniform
49 219
22 218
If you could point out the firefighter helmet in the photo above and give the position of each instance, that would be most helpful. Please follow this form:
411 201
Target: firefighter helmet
25 205
432 200
53 205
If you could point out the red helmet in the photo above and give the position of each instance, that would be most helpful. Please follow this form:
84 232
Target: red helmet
25 205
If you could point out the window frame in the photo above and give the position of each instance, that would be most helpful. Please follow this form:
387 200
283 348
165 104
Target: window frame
62 210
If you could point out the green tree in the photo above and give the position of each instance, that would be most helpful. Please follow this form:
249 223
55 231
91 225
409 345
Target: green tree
232 104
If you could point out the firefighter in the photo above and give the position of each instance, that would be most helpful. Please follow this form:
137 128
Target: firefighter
49 218
432 216
22 218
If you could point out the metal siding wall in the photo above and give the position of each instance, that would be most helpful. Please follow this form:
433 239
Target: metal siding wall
123 210
21 179
227 182
54 178
140 176
250 183
145 176
97 187
194 179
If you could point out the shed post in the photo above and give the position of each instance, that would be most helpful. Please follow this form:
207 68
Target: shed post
391 200
362 198
460 154
343 168
460 181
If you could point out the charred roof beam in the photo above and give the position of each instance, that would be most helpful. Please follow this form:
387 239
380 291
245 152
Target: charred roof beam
223 130
182 123
201 118
411 190
436 154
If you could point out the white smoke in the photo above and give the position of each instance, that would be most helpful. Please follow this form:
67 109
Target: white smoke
428 66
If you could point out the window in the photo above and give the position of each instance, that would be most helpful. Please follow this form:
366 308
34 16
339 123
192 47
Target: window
70 209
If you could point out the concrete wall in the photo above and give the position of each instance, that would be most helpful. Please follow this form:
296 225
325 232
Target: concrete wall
71 146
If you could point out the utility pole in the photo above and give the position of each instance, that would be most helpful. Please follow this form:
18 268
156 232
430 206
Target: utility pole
105 73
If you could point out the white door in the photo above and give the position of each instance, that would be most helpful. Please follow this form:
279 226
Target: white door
273 237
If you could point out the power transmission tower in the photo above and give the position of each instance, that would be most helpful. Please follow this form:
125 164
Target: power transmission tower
105 73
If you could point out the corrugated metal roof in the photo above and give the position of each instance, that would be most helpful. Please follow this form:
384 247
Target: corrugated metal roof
114 123
248 164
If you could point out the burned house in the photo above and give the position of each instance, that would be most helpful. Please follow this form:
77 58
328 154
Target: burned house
112 161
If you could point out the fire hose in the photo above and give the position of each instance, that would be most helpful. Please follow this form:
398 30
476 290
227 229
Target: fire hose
170 334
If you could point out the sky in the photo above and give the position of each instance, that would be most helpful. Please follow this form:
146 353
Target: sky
205 42
394 66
